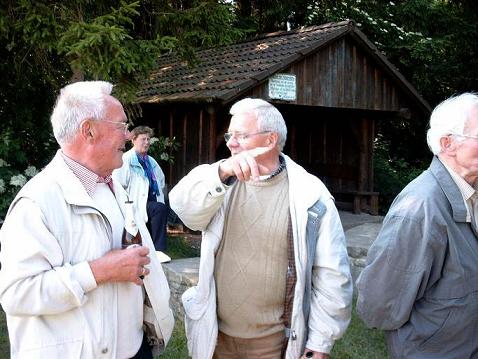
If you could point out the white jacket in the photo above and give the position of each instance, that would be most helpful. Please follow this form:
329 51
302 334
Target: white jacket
200 200
131 176
54 307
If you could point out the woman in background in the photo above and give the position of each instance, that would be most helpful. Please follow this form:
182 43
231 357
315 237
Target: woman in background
144 181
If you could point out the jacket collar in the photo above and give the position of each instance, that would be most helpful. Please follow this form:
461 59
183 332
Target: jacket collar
73 191
450 189
302 180
133 158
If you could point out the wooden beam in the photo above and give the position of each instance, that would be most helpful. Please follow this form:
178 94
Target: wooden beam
212 133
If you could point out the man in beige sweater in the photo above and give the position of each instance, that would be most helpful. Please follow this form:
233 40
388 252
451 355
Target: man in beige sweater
274 279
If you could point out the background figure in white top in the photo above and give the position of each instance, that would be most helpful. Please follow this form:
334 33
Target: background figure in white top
144 181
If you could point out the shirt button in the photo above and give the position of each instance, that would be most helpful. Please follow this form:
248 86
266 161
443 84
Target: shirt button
218 189
104 350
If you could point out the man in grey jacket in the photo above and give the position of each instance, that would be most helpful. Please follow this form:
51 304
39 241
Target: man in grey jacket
421 280
274 278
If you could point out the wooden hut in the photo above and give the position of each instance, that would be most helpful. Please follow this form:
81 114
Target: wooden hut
330 83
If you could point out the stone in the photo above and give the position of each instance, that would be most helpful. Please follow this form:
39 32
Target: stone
181 274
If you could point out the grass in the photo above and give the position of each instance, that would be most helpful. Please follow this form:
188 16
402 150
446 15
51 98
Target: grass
177 347
178 247
4 343
360 342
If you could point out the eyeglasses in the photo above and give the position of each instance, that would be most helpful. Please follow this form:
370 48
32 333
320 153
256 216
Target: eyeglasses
124 125
240 137
465 136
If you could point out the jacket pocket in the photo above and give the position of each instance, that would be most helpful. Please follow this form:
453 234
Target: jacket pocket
454 333
67 349
440 326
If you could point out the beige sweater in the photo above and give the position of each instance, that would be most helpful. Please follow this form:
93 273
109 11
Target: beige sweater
251 263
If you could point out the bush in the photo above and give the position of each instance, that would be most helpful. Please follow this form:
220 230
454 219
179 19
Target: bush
391 175
162 148
11 180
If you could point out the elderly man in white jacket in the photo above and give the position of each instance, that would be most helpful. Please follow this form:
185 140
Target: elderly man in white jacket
274 278
67 288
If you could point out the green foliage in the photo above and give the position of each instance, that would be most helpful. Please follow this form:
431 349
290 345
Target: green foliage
11 180
205 23
46 44
391 174
163 148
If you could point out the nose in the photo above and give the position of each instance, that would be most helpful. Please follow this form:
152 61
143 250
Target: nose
232 142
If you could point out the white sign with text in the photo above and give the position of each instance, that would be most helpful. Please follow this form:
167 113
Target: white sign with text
282 87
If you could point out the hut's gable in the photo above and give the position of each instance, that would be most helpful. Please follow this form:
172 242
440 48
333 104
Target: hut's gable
341 75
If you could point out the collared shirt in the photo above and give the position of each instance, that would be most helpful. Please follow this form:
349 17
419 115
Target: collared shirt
468 192
88 178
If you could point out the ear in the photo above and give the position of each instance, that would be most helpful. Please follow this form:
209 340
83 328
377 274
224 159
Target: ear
448 145
86 130
273 139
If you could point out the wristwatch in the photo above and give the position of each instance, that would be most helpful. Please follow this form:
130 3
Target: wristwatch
309 354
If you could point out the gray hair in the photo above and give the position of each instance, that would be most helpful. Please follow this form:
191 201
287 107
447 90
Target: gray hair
450 117
141 130
77 102
268 117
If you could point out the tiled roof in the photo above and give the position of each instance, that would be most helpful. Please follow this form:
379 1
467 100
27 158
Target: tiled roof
223 72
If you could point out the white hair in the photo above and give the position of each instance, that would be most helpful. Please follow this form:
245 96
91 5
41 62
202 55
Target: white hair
268 117
450 117
77 102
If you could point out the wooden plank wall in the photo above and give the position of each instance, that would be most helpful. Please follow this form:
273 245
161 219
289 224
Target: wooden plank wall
341 75
194 128
336 145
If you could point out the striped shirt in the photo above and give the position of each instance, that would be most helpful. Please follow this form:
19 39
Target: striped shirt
468 192
88 178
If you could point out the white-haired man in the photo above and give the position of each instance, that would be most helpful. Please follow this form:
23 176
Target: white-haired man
274 279
421 280
66 287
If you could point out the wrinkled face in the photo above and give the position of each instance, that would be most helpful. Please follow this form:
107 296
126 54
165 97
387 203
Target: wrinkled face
466 150
246 134
110 139
141 143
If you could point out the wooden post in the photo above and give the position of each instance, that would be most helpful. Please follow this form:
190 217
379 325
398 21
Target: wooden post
201 134
212 133
172 179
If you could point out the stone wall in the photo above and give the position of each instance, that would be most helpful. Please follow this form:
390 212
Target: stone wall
181 274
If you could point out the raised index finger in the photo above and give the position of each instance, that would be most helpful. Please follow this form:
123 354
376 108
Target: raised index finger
256 152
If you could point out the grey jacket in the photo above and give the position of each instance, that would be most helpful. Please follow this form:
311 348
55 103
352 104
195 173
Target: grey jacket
421 280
